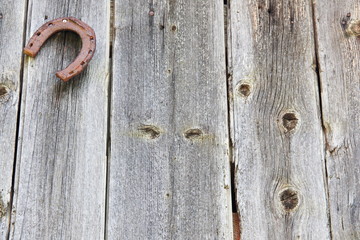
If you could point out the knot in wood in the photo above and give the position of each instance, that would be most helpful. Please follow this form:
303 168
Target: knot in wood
149 131
4 93
353 28
289 121
2 208
193 133
244 89
3 90
289 199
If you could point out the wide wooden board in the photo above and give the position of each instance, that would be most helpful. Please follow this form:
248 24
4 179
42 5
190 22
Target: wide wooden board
278 141
339 56
60 185
12 14
169 165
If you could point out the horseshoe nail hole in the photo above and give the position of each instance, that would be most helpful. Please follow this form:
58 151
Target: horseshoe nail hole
244 89
193 133
289 121
71 72
82 63
90 51
91 37
289 199
50 24
39 33
149 131
31 44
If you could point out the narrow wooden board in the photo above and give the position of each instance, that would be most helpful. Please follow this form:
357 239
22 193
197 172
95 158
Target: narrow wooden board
339 58
60 182
278 140
169 165
11 40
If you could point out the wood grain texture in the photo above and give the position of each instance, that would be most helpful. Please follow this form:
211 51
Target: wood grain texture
11 39
278 140
169 168
60 182
339 73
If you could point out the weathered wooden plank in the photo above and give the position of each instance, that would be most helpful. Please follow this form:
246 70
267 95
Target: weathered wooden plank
339 60
11 37
61 162
278 141
169 168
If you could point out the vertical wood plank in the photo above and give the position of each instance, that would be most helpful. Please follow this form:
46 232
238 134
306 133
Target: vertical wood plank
339 59
61 162
169 168
278 141
11 40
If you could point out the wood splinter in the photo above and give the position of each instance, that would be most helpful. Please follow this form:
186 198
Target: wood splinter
86 34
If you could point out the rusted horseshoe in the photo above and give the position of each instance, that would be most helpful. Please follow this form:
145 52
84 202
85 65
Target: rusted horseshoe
86 33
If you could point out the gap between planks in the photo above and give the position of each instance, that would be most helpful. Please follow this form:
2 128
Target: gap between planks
317 70
108 147
235 213
21 77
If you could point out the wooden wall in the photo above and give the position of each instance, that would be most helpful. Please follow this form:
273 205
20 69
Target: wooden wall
190 114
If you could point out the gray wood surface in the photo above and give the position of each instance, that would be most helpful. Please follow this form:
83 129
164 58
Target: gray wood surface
339 58
137 146
278 141
169 165
11 39
61 163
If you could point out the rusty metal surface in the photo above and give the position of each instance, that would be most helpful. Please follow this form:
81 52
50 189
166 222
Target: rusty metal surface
86 34
236 226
